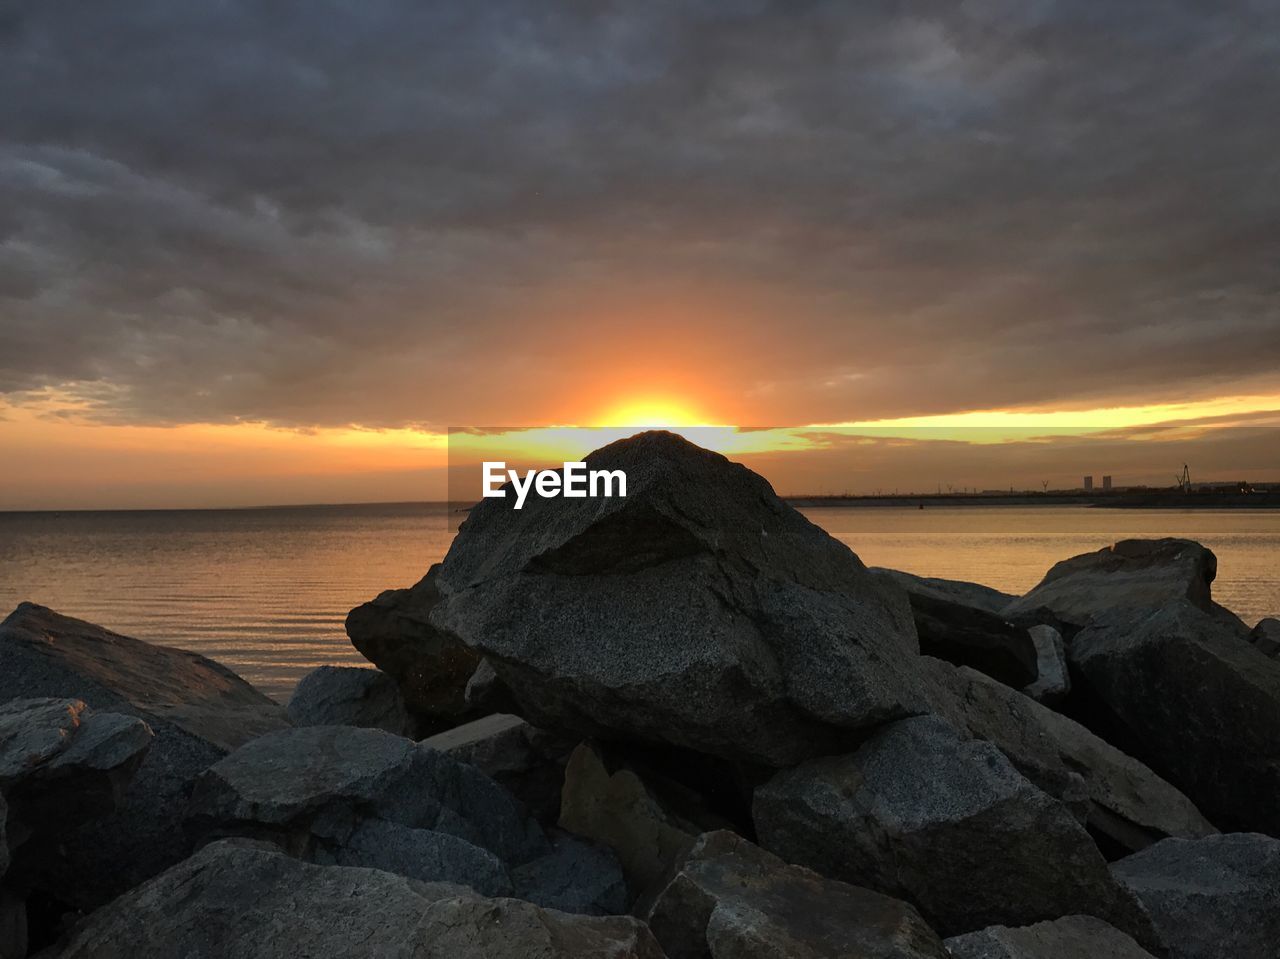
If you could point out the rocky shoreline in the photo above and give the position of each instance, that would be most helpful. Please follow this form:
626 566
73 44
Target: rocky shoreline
687 723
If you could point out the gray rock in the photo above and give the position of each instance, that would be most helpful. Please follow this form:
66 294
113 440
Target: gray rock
966 636
1114 794
526 760
922 814
974 595
349 696
1198 705
1266 637
1132 574
730 899
394 632
700 611
237 901
486 693
1053 681
1213 898
423 854
1072 937
197 709
319 791
576 876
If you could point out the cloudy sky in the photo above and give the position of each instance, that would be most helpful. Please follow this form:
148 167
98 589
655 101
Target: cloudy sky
261 231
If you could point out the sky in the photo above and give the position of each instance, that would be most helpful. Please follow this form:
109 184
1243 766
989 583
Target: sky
272 252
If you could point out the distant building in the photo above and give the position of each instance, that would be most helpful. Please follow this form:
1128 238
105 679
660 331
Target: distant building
1106 482
1088 484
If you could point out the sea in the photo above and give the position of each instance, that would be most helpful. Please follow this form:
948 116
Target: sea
265 591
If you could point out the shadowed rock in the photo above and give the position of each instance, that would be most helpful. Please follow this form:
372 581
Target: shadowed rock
1053 681
1072 937
1266 637
730 899
1199 705
973 595
921 813
1213 898
238 901
197 709
700 610
349 696
576 876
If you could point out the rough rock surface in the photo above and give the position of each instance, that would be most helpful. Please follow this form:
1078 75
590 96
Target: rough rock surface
923 814
1132 574
240 901
318 791
968 636
1266 637
700 610
1199 705
1053 681
394 632
730 899
526 760
1213 898
576 876
197 709
349 696
1072 937
974 595
1116 795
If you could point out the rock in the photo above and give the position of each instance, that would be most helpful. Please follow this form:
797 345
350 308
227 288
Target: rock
923 814
1198 705
730 899
1053 681
486 693
337 794
1213 898
394 632
13 926
4 838
973 595
1072 937
237 901
618 809
1132 574
576 876
699 611
524 759
197 709
966 636
1115 795
1266 637
349 696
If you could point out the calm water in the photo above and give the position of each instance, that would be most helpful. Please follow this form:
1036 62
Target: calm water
266 591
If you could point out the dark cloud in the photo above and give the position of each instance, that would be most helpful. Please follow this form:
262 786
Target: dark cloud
389 212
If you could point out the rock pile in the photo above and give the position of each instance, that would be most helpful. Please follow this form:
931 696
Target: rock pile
684 723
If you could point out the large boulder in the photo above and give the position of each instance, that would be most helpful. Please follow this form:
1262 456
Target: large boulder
1116 796
1132 574
366 797
197 709
973 637
1213 898
1266 637
730 899
239 901
921 813
699 610
1195 703
973 595
577 876
394 632
349 696
1072 937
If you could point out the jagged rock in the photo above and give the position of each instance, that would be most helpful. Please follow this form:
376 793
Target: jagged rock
1266 637
1198 705
923 814
1213 898
197 709
526 760
394 632
968 636
366 797
973 595
1117 796
1072 937
576 876
700 610
1132 574
240 901
729 899
349 696
618 809
1053 681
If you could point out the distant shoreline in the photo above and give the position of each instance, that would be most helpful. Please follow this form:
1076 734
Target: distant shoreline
1152 499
